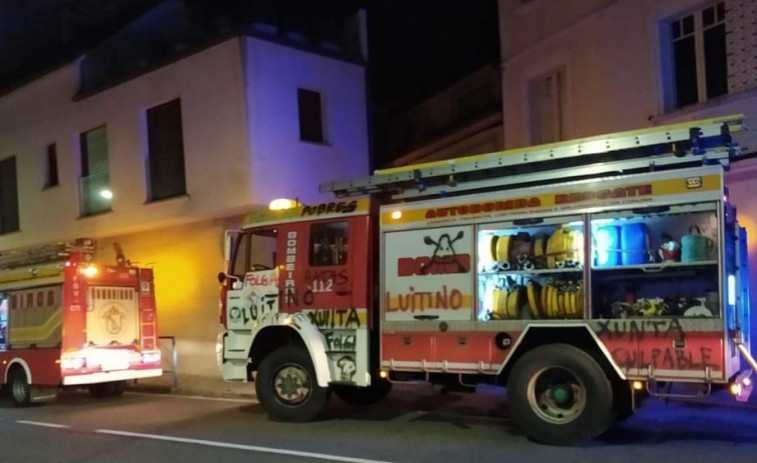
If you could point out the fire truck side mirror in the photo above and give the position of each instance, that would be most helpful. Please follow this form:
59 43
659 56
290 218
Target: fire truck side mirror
236 283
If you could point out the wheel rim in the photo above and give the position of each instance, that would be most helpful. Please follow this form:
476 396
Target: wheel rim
19 390
292 384
557 395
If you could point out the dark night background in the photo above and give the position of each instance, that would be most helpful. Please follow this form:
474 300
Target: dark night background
416 47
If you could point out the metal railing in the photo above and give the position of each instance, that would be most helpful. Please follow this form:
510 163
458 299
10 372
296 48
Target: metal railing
169 358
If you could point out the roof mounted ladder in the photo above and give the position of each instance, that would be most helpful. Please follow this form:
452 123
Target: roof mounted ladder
45 253
679 145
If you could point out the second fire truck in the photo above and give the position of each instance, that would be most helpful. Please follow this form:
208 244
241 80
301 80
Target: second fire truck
68 321
578 275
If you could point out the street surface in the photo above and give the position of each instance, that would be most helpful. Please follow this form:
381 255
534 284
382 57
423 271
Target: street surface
415 424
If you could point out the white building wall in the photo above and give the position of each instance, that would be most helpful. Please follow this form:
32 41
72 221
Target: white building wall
215 144
284 166
612 56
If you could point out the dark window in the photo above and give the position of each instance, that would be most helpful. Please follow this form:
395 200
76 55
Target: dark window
255 251
328 244
700 69
95 192
240 257
715 61
8 196
686 71
52 166
166 151
311 124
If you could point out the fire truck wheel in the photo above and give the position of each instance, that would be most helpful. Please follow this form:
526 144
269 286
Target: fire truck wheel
287 388
362 396
20 390
559 395
110 389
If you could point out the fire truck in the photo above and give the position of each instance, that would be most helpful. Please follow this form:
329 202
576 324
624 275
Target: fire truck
581 275
66 321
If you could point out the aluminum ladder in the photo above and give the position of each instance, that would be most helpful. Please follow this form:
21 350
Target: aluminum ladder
685 144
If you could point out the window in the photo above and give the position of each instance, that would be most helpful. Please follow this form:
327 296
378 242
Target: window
698 61
166 152
311 124
546 101
255 251
95 192
51 173
8 196
328 244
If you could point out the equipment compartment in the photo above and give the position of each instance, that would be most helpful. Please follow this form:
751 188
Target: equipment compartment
656 263
531 269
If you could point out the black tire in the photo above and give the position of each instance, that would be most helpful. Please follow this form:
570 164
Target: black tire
559 395
109 389
117 388
624 401
98 390
20 390
363 396
287 388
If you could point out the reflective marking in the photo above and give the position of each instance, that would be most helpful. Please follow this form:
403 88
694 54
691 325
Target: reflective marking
44 425
251 448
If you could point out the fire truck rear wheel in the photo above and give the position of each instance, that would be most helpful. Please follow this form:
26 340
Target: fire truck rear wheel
20 389
362 396
559 395
109 389
287 388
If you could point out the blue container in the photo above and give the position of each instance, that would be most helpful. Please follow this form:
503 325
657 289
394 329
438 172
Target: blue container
634 240
607 246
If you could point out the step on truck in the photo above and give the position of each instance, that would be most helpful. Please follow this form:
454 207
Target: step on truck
581 275
67 321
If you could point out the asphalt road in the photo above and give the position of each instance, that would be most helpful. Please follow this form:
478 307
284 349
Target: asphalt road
415 424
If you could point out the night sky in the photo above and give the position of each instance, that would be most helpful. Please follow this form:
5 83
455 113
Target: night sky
416 47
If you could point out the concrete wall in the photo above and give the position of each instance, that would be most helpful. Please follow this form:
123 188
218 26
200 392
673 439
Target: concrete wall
283 165
186 260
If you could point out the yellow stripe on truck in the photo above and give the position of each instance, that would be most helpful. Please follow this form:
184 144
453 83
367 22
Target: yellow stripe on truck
592 195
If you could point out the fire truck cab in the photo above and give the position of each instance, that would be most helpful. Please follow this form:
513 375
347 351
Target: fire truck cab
67 321
580 275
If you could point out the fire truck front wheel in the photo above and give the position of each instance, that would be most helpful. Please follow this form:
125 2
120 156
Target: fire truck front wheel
20 389
559 395
287 388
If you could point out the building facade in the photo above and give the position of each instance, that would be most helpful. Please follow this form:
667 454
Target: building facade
576 69
164 160
464 118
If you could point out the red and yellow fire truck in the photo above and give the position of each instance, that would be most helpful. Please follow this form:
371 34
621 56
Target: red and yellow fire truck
67 321
580 275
